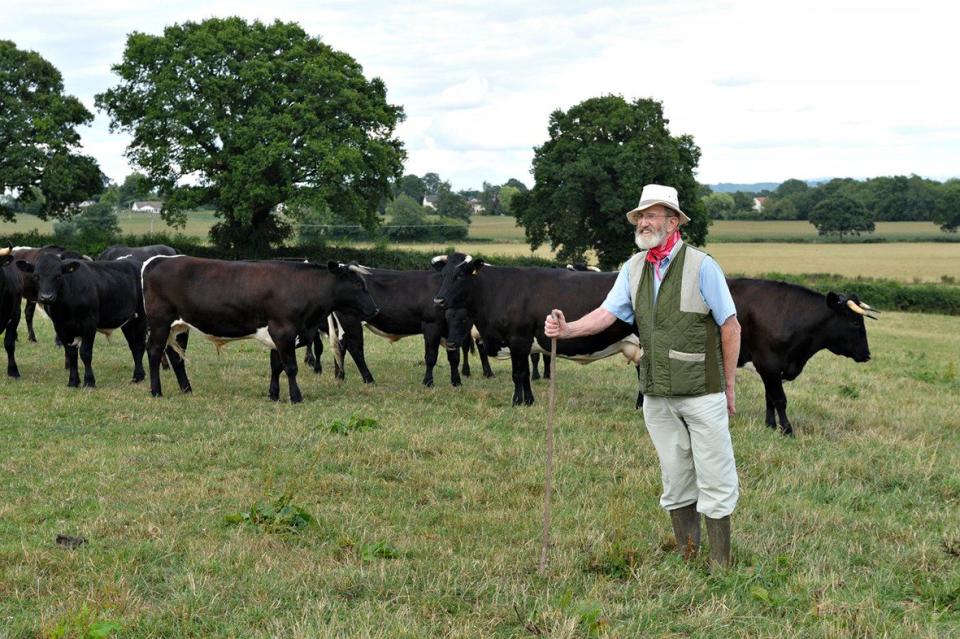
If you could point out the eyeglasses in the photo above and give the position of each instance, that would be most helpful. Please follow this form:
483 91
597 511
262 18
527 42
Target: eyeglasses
650 217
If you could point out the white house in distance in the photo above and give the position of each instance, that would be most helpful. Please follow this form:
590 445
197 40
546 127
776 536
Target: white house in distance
430 202
758 203
147 207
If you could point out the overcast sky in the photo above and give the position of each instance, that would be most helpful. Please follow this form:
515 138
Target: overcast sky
769 90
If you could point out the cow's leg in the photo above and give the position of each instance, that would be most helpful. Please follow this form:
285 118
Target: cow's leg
135 332
86 356
484 360
353 341
276 367
453 358
535 366
284 338
431 347
776 401
70 355
520 358
339 371
178 364
288 356
546 366
28 316
10 341
465 369
10 345
156 344
314 351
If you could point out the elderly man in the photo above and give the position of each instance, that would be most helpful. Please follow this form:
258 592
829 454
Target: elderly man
688 328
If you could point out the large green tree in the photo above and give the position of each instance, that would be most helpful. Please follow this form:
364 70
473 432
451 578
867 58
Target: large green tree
841 215
246 116
947 210
590 172
39 161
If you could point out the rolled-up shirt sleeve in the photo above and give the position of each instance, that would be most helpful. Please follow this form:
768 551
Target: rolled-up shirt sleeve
618 299
715 292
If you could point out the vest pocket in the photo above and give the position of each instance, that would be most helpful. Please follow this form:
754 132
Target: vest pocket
688 373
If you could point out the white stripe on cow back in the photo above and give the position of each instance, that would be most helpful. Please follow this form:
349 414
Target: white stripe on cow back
143 269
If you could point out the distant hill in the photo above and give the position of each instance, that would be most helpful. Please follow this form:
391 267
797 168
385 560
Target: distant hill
729 187
756 187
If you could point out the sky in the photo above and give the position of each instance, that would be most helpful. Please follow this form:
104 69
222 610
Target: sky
769 90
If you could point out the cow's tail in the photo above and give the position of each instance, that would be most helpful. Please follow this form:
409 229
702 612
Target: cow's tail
175 329
334 332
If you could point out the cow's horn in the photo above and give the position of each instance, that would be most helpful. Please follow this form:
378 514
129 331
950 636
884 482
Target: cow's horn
853 307
356 268
869 308
439 258
467 259
6 251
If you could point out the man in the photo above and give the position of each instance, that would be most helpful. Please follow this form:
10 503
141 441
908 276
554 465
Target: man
688 328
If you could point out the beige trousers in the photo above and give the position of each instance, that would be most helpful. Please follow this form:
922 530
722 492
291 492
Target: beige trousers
692 438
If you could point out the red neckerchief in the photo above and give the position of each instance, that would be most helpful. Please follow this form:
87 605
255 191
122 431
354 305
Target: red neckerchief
657 254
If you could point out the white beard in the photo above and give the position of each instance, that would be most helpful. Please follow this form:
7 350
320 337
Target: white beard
645 242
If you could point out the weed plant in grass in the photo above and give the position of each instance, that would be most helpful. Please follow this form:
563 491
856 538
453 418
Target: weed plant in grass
428 525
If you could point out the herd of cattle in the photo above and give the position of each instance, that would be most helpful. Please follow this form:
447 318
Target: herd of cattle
155 296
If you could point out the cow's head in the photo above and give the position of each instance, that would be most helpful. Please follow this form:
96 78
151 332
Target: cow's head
846 333
456 284
47 275
459 325
350 290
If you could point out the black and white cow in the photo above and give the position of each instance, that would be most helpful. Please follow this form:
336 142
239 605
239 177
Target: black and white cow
508 306
137 254
275 302
405 300
11 290
83 298
30 254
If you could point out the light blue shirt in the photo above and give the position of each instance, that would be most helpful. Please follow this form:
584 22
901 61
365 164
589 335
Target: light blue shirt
713 289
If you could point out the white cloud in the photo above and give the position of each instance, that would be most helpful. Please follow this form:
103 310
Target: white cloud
768 90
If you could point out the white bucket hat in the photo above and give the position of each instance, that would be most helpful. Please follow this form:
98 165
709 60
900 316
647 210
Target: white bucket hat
657 194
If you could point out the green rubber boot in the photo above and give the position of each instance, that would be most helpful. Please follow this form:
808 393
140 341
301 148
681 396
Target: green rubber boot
718 530
686 530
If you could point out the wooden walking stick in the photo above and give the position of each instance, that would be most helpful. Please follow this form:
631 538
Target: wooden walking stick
548 473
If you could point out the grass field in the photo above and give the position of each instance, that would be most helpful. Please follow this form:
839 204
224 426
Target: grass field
428 521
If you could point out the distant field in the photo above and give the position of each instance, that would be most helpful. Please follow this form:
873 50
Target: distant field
198 224
496 235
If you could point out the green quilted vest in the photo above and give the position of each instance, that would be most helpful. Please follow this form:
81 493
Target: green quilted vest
680 339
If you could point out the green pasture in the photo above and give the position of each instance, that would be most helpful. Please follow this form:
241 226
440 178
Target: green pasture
427 502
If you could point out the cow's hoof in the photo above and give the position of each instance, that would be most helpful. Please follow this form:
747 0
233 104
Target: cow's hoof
137 380
32 338
90 384
456 383
156 393
488 375
296 399
787 431
13 372
73 384
274 397
428 383
186 389
535 376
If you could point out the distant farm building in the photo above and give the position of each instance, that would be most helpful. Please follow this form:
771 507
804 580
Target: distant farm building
147 207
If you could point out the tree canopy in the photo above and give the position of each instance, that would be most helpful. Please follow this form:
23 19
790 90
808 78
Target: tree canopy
39 161
591 170
840 215
247 116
